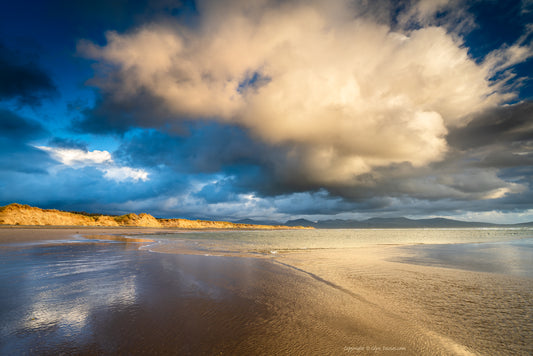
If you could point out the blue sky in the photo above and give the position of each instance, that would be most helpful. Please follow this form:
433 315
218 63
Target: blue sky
269 110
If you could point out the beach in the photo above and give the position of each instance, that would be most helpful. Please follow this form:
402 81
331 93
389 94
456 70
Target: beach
63 293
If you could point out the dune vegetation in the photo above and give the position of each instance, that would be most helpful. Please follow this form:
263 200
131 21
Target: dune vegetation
17 214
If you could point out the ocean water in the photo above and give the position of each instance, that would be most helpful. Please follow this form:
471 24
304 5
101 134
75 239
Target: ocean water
346 238
513 257
508 251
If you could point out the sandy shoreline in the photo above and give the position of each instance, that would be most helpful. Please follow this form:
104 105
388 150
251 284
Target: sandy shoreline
20 234
350 301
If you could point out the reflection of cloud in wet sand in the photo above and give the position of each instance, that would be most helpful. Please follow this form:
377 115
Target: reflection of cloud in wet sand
61 287
47 313
121 238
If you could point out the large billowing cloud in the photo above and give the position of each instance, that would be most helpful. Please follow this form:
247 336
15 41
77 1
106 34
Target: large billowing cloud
343 95
295 108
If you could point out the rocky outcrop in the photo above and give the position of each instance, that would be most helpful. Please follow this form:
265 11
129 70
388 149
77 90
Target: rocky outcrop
17 214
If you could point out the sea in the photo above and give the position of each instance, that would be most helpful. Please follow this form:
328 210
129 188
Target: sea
492 250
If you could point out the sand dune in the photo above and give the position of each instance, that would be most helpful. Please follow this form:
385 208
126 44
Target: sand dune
17 214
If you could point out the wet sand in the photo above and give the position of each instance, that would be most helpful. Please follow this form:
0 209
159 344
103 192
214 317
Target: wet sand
465 312
110 297
25 234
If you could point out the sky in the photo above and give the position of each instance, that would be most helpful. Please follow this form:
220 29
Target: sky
269 109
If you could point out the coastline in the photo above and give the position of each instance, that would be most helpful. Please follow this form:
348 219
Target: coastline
327 301
22 234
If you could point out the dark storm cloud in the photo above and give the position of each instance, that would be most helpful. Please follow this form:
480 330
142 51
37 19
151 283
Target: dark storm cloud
21 78
507 125
112 115
205 148
494 151
208 148
16 154
489 167
194 147
245 166
213 148
501 138
313 203
17 129
223 190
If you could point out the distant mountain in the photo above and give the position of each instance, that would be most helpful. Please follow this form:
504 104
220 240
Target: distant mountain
527 224
301 222
397 223
257 222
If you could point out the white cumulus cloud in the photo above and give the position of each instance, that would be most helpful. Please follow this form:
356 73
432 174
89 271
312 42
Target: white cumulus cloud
346 94
122 174
101 160
74 156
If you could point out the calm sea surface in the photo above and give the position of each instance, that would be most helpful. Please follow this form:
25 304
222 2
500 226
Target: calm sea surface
508 251
342 238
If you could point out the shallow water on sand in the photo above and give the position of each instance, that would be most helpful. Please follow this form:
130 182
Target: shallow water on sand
111 298
485 250
467 312
513 257
346 238
316 292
